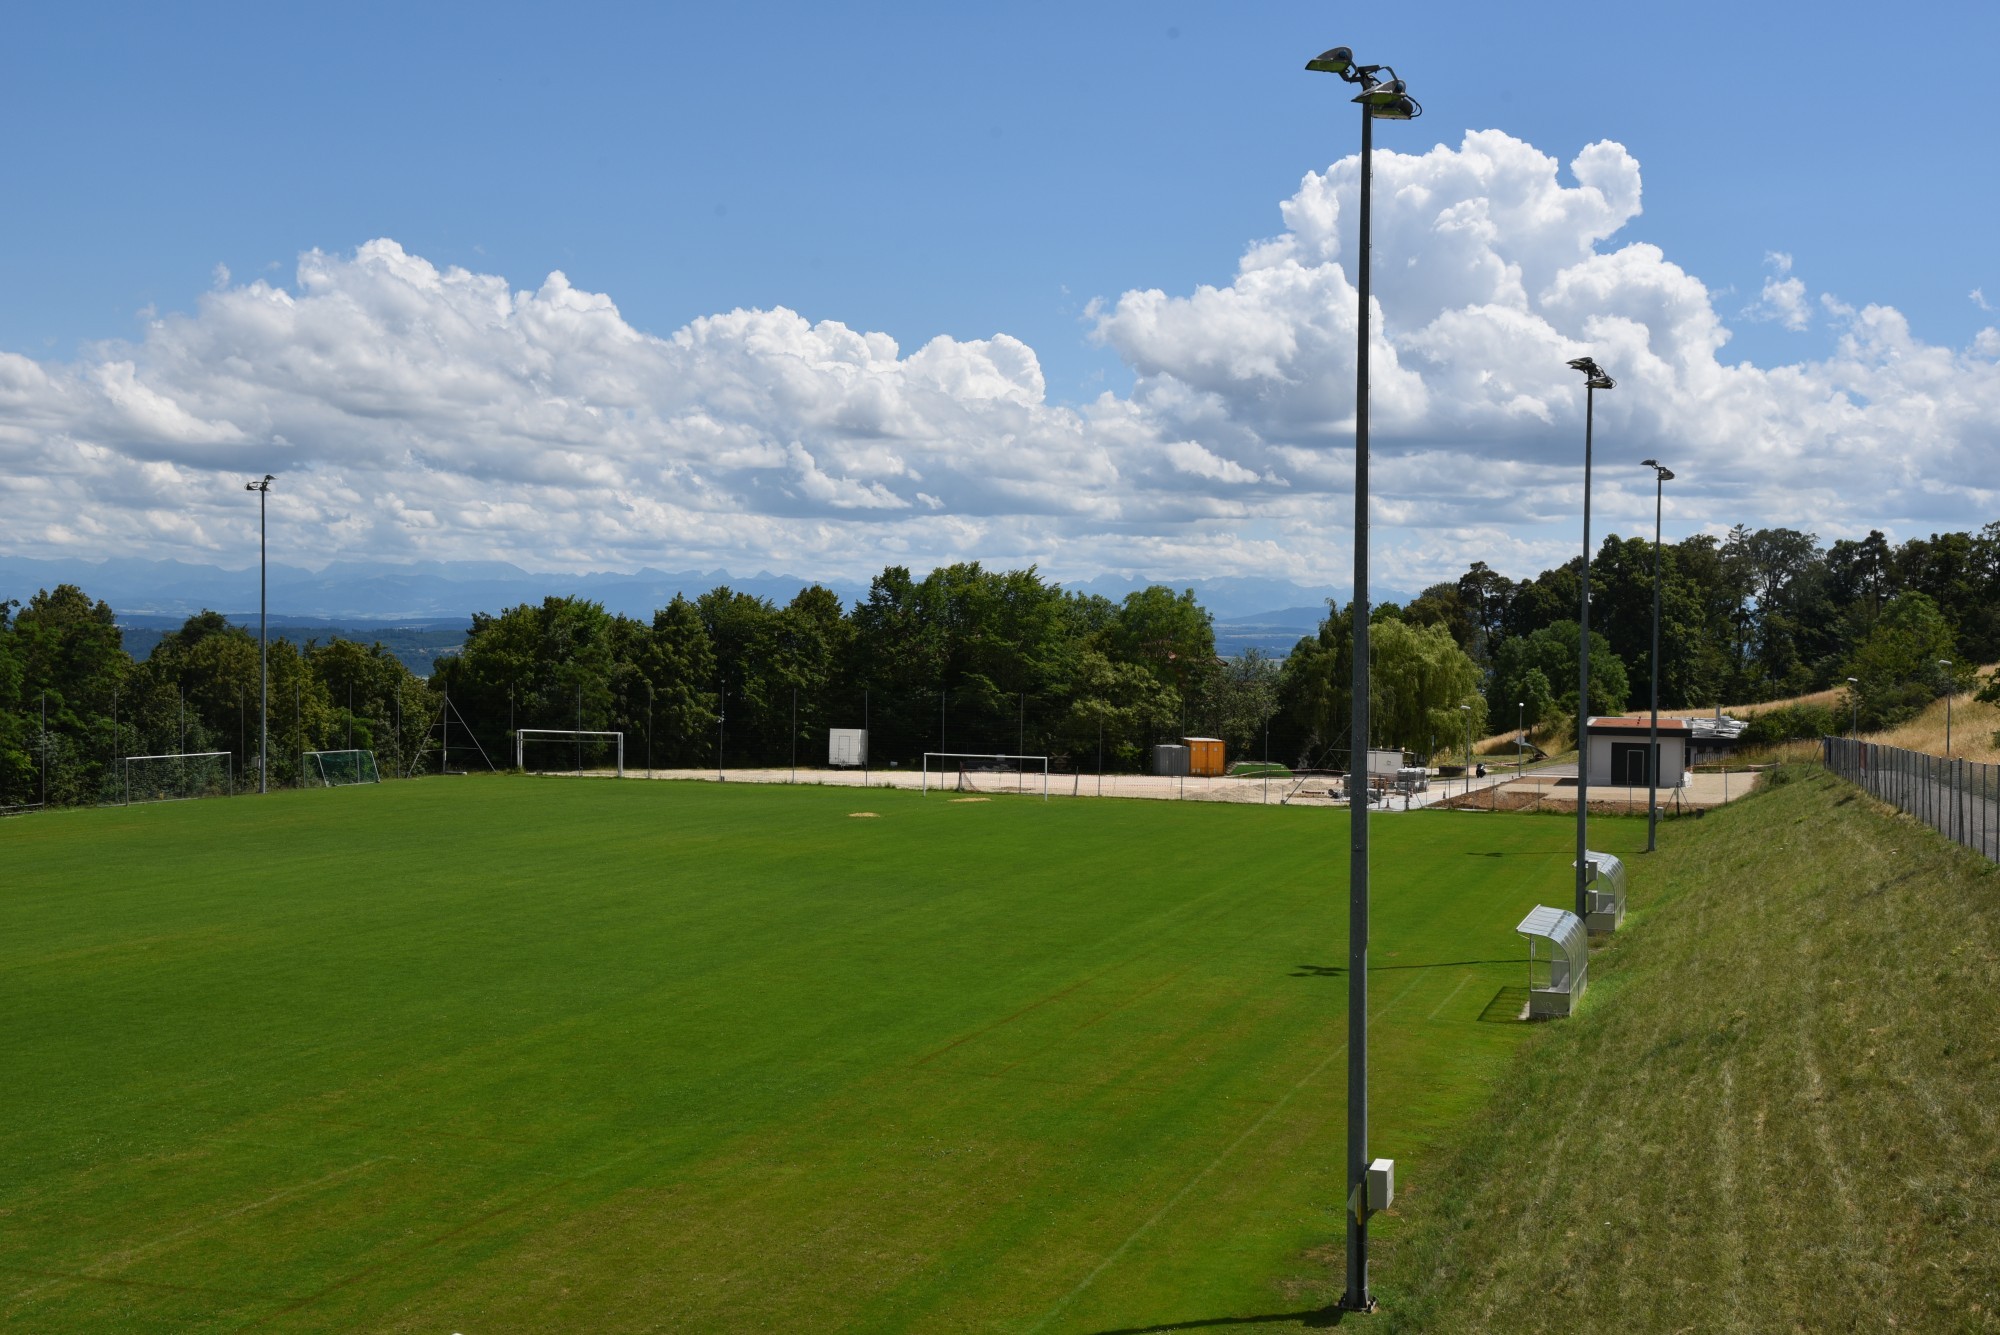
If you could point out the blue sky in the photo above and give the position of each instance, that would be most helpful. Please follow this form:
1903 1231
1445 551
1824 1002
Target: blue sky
960 170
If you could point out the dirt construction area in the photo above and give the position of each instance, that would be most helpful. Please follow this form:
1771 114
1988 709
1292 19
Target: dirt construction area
1493 792
1554 792
1299 791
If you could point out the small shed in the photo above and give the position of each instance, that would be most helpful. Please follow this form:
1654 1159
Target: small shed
1603 892
1170 761
1621 753
846 747
1558 958
1204 756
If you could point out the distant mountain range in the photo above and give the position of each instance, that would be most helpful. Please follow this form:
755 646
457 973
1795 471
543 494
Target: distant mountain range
1270 614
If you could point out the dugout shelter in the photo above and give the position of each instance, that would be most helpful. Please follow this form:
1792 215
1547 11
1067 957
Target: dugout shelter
1603 892
1558 960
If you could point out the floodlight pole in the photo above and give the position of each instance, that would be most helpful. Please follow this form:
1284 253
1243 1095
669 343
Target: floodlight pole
1945 663
263 490
1660 476
1386 99
1356 1297
1853 708
1594 380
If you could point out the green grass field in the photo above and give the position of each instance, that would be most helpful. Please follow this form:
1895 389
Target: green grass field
491 1055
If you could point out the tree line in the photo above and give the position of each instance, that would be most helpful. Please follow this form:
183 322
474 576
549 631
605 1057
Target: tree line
964 659
1755 615
968 659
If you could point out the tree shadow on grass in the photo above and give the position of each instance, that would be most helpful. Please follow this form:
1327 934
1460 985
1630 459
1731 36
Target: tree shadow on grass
1340 970
1318 1318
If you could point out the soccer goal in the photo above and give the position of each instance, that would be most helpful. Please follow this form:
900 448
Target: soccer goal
564 750
966 772
337 769
179 775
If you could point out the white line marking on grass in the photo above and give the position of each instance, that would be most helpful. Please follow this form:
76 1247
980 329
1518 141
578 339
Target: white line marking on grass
1447 1001
1215 1163
118 1260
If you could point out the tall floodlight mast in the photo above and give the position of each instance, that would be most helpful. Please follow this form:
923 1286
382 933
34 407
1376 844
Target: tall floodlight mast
1379 99
1594 380
1661 476
263 490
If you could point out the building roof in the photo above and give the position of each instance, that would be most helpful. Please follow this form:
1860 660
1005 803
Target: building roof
1624 723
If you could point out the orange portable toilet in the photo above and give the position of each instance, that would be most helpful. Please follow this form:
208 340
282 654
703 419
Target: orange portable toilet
1205 756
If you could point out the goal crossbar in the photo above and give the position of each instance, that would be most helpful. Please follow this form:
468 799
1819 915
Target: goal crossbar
521 736
945 759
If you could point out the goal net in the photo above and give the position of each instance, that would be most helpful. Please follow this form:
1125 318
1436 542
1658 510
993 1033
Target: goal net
179 775
566 751
967 772
337 769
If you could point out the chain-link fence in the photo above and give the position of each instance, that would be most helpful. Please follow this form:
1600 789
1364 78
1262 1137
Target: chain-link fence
1959 799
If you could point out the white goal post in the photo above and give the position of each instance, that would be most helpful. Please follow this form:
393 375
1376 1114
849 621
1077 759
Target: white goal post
337 769
162 782
969 771
522 735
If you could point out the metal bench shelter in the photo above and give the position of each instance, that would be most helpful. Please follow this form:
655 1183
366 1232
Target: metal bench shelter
1604 892
1563 966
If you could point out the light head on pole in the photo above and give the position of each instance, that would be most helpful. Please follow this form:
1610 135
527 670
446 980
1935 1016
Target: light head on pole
265 485
1664 473
1337 61
1595 377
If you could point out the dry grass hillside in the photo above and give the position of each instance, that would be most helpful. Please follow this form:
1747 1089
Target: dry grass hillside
1973 726
1972 731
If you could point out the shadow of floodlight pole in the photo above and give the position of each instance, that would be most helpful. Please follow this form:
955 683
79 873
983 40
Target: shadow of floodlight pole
1379 99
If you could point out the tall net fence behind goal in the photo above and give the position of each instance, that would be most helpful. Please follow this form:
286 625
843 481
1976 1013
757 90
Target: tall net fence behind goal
337 769
567 751
968 773
179 776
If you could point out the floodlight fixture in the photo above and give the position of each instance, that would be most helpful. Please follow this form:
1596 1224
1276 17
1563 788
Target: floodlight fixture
1595 376
1383 99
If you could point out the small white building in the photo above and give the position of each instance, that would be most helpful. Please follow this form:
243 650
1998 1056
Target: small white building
847 748
1619 752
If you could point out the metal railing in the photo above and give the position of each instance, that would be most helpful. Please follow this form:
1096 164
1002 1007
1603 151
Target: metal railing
1959 799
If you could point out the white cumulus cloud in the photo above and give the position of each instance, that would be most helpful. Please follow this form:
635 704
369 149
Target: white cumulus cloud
413 410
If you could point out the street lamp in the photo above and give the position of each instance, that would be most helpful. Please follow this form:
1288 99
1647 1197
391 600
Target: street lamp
1594 379
1945 663
263 490
1661 476
1467 721
1853 708
1520 737
1378 99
